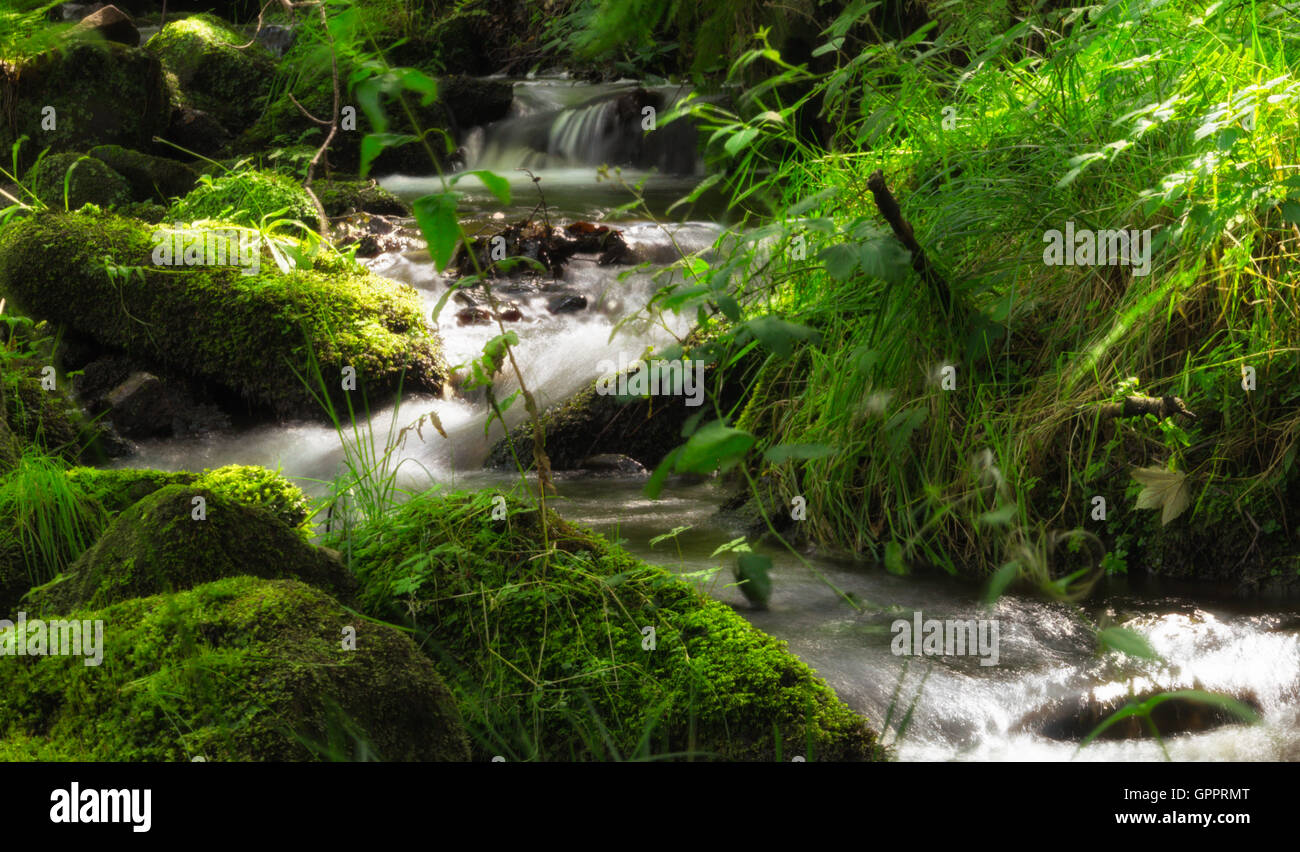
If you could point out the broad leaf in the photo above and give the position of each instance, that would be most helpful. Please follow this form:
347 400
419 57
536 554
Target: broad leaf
1166 490
436 216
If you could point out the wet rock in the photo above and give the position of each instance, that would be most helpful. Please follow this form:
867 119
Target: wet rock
139 404
139 407
1072 722
567 303
612 464
276 38
550 248
592 423
473 316
111 24
511 313
375 235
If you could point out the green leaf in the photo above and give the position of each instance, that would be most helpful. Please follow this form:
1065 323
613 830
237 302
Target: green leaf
1291 211
841 261
779 335
372 144
1163 489
497 185
1126 641
784 452
420 83
894 562
739 141
655 484
1001 579
754 572
999 517
713 446
436 216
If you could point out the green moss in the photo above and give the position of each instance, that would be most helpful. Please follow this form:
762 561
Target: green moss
339 197
250 485
101 93
206 69
158 545
91 181
151 178
554 645
239 669
253 334
245 197
47 419
94 497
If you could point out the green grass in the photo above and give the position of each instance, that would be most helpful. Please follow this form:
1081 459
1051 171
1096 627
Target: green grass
1143 115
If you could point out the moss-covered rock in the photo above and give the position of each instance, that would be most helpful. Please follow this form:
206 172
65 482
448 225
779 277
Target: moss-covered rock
238 669
343 196
120 488
254 335
168 542
245 197
101 93
553 642
208 68
644 428
151 178
50 516
88 181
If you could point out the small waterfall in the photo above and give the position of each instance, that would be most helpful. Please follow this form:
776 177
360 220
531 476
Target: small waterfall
546 131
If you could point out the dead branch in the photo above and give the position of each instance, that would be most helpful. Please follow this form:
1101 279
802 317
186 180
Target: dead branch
1137 406
888 207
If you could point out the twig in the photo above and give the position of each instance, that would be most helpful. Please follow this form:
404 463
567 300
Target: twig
888 206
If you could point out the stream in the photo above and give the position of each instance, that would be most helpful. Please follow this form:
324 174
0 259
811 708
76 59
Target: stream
1032 705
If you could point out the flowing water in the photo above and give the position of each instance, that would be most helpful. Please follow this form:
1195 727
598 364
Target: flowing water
1027 707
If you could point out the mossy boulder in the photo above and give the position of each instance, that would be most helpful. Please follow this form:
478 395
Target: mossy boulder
120 488
342 196
207 67
239 669
553 640
168 542
245 197
151 178
88 181
257 335
30 503
101 93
